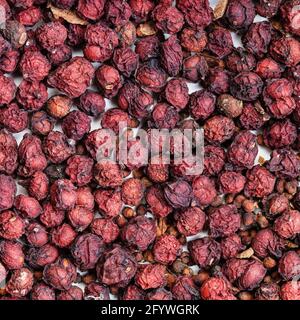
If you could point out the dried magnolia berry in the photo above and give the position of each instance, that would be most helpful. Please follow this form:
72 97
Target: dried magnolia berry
140 232
288 266
194 68
280 134
8 152
290 290
190 221
224 221
58 106
118 12
288 224
246 86
51 35
239 14
165 116
246 273
243 150
27 206
178 194
36 234
13 118
74 293
38 185
41 291
20 283
92 103
11 254
151 76
96 291
91 9
85 198
268 291
159 294
185 289
106 229
61 274
240 60
193 40
176 93
151 276
220 42
218 129
31 156
216 289
168 19
72 77
76 124
86 250
286 50
109 202
109 80
101 42
40 257
157 202
32 95
290 13
204 190
57 148
205 252
230 106
260 182
171 56
63 194
267 8
166 249
42 123
125 60
231 246
218 80
12 226
202 104
266 243
34 66
7 89
60 55
148 48
231 182
80 218
51 217
108 174
117 267
214 160
63 236
132 292
8 190
198 14
268 68
79 169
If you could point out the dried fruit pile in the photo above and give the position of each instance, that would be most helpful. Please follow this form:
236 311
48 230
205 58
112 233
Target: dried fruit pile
126 234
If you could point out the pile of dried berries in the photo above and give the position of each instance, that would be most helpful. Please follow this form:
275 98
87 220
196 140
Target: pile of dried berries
84 230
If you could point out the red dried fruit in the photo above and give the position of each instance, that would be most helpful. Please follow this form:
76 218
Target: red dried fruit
151 276
218 129
8 152
51 217
60 55
288 224
72 77
214 160
117 267
91 9
80 218
108 174
20 283
205 252
267 9
193 40
240 60
178 194
7 89
260 182
8 191
11 254
171 56
60 274
38 185
51 35
290 13
74 293
109 80
36 234
96 291
41 291
132 292
140 232
148 48
290 290
92 103
12 227
86 250
190 221
106 229
157 202
185 289
27 206
141 9
231 246
166 249
118 12
220 42
286 51
63 236
268 291
126 60
289 265
239 14
202 104
43 256
231 182
204 190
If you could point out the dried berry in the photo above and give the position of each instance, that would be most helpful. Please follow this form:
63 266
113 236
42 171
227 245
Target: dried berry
166 249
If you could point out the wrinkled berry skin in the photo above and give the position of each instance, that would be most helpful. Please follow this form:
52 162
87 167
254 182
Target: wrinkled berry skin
80 217
205 252
74 293
8 152
106 229
109 80
92 103
76 124
220 42
12 226
63 194
95 291
86 251
63 236
61 274
79 169
8 190
171 56
247 274
289 265
41 291
27 206
51 35
224 221
13 118
140 232
214 160
11 254
288 224
166 249
268 291
286 50
243 150
246 86
151 276
108 174
216 288
177 93
42 123
117 267
266 243
194 68
7 89
57 147
159 294
20 283
231 182
218 129
38 185
157 202
185 289
73 77
132 192
239 14
290 290
267 9
231 246
51 217
289 11
36 235
178 194
132 292
204 190
92 10
43 256
190 221
260 182
202 104
240 60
